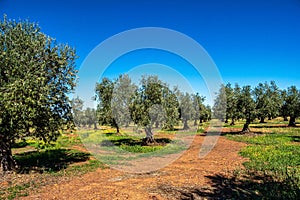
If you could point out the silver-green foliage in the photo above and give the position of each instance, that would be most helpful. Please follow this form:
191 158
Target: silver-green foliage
36 75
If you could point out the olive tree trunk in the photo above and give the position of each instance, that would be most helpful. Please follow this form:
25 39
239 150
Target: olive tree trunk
246 126
149 135
292 121
232 122
195 122
185 124
262 120
95 126
6 159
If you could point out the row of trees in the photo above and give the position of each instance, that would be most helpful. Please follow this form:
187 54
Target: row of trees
153 104
83 117
265 101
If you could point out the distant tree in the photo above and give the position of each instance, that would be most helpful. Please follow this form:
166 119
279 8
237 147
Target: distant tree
104 93
90 117
122 95
262 101
199 108
246 106
231 102
284 107
268 100
220 104
187 109
275 100
77 111
170 105
207 114
292 103
36 76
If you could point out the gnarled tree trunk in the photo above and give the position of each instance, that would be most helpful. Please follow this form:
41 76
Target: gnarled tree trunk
115 124
232 122
246 126
292 121
195 122
149 135
95 126
185 125
226 120
6 159
201 120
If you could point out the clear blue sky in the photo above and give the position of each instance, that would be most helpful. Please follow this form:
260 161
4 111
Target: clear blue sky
250 41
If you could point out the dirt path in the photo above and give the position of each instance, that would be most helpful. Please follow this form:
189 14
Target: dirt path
187 172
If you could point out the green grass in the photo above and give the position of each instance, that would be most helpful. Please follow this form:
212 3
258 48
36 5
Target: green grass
119 149
125 142
275 154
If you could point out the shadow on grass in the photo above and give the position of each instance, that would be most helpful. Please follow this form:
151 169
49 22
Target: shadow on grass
242 133
256 187
20 144
295 138
274 126
134 142
49 160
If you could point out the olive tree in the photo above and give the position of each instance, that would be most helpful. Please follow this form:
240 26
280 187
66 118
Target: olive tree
220 104
36 76
123 91
153 93
268 101
77 111
246 106
292 102
187 109
104 93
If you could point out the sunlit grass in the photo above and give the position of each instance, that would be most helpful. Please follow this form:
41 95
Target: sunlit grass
274 152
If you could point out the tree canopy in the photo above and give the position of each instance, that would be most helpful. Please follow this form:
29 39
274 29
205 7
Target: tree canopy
36 76
153 100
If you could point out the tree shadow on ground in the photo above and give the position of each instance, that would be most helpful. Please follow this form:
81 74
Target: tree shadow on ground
20 144
295 138
254 187
134 142
49 160
274 126
242 133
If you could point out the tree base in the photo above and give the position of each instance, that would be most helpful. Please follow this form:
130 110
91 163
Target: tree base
7 163
245 129
292 125
148 141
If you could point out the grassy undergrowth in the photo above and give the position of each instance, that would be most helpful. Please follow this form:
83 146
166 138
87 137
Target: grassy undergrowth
274 154
116 149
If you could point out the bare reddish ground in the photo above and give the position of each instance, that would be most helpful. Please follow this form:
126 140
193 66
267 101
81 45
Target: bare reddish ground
186 172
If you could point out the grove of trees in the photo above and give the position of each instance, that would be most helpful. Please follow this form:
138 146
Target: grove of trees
153 104
36 76
83 117
265 101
